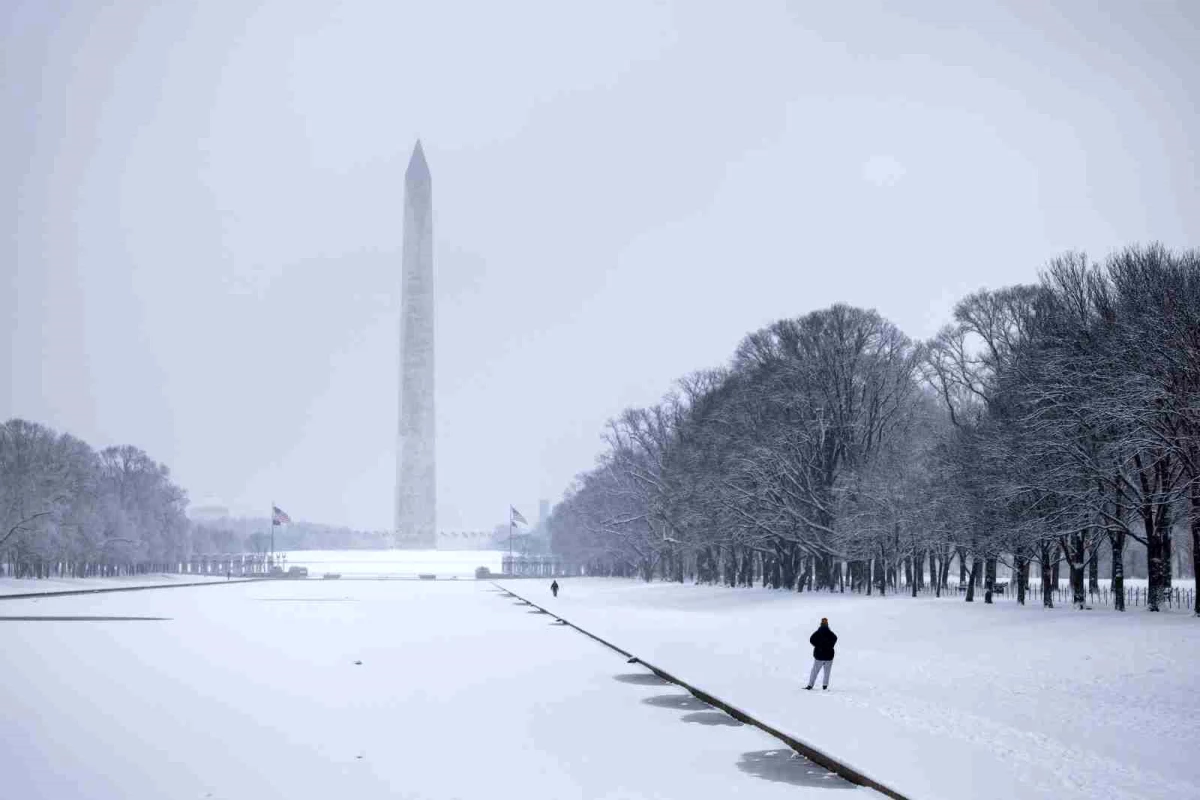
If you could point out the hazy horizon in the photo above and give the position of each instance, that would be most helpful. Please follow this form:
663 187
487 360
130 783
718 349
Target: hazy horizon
203 220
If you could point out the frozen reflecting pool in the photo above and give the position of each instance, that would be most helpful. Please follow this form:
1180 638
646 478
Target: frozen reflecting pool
314 689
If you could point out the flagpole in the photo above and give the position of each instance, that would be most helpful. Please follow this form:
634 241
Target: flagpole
272 536
512 567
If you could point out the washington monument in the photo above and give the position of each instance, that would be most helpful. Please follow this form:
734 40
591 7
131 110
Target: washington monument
416 485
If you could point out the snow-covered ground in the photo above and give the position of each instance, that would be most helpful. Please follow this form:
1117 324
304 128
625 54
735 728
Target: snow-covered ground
253 691
10 586
938 699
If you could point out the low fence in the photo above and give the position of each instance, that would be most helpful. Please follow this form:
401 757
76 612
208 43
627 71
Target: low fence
1175 597
544 566
1135 596
234 565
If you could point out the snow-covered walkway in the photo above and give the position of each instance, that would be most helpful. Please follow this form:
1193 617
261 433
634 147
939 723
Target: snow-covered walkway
937 698
253 691
18 586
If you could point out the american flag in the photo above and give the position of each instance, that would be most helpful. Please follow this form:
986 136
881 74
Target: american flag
516 516
279 516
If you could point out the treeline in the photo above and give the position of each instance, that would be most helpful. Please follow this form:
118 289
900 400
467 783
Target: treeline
69 510
1047 424
66 509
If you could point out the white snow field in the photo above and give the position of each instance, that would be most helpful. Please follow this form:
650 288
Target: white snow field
252 690
937 699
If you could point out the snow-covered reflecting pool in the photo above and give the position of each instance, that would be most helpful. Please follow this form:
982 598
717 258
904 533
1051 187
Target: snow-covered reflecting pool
352 689
394 563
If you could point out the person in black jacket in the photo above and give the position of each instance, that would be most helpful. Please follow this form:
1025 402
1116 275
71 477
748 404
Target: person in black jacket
554 588
822 641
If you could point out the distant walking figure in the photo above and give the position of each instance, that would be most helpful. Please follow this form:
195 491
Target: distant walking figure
554 588
822 641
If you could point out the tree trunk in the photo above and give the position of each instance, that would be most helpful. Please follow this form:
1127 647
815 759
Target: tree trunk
962 567
989 579
1048 570
881 571
746 576
1076 556
1195 525
1094 570
1156 555
1118 569
788 567
822 572
1167 547
975 565
1021 573
1156 520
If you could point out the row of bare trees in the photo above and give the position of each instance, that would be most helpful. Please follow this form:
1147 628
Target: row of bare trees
68 508
1046 424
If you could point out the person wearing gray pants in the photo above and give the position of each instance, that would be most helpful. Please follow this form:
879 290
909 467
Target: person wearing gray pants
822 640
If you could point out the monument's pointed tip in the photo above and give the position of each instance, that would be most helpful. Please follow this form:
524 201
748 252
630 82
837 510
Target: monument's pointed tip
417 166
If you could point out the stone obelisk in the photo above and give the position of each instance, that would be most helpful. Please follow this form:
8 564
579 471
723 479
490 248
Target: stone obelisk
416 486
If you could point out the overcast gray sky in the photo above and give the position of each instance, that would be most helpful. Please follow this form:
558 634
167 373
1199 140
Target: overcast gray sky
200 219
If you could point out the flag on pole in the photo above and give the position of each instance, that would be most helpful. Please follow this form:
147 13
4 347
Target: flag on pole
516 516
279 516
